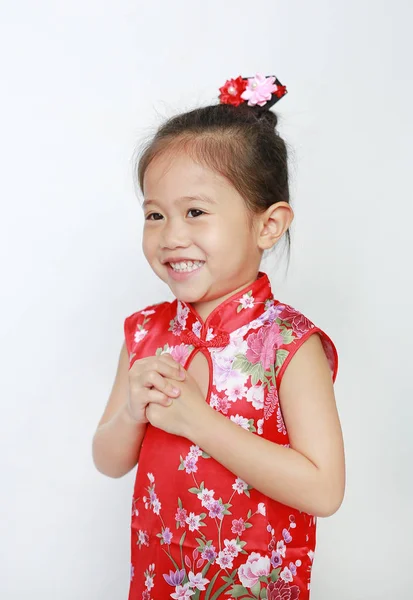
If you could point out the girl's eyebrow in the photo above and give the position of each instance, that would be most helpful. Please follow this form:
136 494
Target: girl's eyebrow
196 198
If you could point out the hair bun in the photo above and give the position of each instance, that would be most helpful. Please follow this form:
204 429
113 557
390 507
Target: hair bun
268 118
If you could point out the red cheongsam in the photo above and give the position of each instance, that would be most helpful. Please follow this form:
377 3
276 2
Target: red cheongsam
198 530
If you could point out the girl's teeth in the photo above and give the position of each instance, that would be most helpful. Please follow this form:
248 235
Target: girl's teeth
186 266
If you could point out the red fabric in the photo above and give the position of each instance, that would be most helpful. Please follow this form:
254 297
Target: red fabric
197 530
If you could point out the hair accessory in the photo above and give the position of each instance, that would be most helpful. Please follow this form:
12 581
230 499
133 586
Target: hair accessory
256 91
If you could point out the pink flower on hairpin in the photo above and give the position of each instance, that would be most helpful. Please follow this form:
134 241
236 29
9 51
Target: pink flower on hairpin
259 90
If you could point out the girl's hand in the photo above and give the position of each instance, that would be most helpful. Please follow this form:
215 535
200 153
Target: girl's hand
184 411
153 380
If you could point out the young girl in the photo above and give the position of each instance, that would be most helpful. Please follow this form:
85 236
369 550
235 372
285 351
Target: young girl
225 395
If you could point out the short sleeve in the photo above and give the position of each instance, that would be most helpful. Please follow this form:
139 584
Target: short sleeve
297 330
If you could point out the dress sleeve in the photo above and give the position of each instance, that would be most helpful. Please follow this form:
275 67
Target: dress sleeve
300 329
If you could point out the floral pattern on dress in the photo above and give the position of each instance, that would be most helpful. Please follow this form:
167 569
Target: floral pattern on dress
198 530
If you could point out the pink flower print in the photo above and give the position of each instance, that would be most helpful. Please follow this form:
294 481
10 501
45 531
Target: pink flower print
255 395
287 537
146 313
196 328
143 538
176 327
180 353
132 572
182 592
190 464
238 526
156 507
181 516
193 521
175 577
299 322
225 560
259 90
220 404
239 486
209 554
216 510
197 581
256 566
206 496
280 422
263 344
140 334
146 595
260 426
241 421
270 402
167 536
232 547
293 569
286 575
236 389
280 590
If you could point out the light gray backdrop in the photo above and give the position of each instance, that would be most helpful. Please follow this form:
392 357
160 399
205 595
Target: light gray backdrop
82 82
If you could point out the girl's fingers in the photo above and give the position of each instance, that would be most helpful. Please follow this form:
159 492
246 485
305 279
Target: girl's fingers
168 367
158 397
153 379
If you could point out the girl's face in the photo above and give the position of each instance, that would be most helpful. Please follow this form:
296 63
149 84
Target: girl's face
198 235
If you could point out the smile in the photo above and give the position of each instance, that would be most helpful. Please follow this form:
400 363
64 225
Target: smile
186 266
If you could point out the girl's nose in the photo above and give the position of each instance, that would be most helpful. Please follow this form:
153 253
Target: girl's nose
174 235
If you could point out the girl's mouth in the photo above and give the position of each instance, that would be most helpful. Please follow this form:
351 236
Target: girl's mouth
182 270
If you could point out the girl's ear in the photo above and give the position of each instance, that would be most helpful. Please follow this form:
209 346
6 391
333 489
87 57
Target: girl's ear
273 223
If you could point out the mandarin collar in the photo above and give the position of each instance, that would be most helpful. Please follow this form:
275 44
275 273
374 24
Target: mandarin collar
232 313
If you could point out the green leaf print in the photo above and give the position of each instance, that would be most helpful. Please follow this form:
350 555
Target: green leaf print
237 591
194 490
211 585
280 357
256 589
287 334
275 573
263 593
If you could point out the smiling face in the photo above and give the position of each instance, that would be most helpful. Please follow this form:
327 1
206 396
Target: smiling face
198 237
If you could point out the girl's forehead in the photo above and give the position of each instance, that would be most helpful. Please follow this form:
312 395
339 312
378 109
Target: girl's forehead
179 170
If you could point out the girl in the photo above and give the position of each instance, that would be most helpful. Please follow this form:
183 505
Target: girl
225 395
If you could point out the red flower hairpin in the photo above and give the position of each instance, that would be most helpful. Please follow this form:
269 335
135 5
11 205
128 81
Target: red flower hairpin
256 91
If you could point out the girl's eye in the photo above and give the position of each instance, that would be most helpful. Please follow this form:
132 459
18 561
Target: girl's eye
196 210
154 217
158 216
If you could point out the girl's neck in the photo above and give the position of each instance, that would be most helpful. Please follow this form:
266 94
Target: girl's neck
204 309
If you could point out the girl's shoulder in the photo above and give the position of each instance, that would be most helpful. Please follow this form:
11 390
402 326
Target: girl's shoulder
137 325
296 328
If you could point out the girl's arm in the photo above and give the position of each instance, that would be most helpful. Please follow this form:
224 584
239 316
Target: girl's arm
310 475
118 438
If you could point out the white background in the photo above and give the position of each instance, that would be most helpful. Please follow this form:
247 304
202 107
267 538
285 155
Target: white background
83 82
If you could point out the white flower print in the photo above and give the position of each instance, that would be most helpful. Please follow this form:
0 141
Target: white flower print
247 301
255 395
196 328
210 334
281 548
239 485
286 575
236 388
241 421
280 422
261 508
232 547
224 560
151 477
182 592
206 496
140 334
193 521
182 314
260 426
256 566
143 538
195 451
149 582
197 581
146 313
